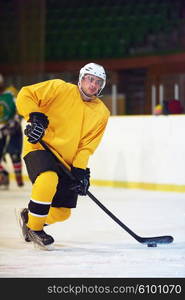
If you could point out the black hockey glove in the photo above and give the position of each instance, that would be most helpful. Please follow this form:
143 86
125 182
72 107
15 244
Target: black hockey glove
35 131
82 182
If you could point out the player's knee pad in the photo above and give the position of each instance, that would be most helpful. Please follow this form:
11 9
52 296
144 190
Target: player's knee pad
45 186
58 214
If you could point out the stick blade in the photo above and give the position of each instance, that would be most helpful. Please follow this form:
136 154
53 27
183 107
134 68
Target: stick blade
165 239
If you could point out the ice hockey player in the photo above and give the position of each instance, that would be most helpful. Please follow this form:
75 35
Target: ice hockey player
71 120
10 136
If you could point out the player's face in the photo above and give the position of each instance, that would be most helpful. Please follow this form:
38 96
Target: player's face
91 84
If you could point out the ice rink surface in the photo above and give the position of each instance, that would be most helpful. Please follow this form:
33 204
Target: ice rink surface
91 244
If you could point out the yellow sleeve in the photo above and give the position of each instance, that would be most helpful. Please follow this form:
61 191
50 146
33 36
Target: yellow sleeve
35 98
88 145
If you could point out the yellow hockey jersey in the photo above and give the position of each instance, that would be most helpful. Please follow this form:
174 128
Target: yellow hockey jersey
75 126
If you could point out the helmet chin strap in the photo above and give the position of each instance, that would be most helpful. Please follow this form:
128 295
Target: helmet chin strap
84 95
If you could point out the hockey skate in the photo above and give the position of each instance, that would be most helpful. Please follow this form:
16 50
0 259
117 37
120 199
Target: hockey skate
40 239
19 179
23 219
4 180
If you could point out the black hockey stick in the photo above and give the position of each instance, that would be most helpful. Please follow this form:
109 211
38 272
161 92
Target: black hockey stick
149 241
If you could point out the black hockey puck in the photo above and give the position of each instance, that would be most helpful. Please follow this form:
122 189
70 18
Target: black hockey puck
152 244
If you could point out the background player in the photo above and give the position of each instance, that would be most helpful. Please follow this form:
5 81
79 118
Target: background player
10 136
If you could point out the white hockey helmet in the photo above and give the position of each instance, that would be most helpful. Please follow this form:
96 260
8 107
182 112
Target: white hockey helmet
96 70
